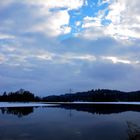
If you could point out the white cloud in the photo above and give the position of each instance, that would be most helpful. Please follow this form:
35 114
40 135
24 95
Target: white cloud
123 23
6 36
83 57
101 2
70 4
65 29
116 60
92 33
57 20
93 28
126 20
91 22
48 17
42 55
116 9
56 23
66 58
31 57
78 23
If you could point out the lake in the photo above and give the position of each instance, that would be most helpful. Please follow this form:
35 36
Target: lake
69 122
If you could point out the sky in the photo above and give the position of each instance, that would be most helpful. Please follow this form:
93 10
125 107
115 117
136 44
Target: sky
50 46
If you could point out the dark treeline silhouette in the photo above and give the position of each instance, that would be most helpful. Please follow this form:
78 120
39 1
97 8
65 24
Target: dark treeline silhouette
18 111
100 95
19 96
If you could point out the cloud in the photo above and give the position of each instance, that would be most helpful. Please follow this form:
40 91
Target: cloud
116 60
71 58
56 13
48 17
124 21
93 27
5 3
56 23
6 36
119 60
118 21
91 22
2 59
70 4
40 51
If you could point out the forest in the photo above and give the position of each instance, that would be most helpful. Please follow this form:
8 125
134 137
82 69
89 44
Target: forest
98 95
19 96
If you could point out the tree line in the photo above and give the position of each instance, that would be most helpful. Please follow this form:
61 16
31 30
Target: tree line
19 96
98 95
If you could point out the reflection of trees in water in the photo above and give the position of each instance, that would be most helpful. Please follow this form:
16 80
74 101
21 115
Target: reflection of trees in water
18 111
133 131
100 108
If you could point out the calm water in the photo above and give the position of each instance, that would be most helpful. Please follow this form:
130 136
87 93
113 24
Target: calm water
98 122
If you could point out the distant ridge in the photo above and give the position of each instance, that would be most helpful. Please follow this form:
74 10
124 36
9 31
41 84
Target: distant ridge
98 95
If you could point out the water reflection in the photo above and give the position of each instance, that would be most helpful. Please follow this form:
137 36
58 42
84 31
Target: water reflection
90 108
71 122
100 108
18 111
